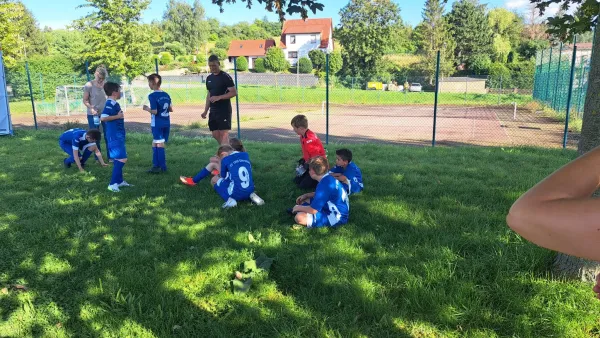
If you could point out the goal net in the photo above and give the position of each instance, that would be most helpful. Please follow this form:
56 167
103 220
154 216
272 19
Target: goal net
69 100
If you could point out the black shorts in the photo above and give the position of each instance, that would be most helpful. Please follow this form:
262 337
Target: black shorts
219 121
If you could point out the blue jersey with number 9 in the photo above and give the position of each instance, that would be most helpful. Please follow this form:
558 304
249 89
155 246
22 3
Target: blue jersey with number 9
236 170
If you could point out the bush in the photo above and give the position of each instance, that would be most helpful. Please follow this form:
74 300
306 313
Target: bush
242 64
523 74
317 57
304 65
184 58
220 53
223 43
175 48
480 64
500 75
165 58
195 67
259 65
335 62
275 60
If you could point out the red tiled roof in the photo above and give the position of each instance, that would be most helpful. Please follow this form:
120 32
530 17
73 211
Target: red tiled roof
299 26
581 46
249 47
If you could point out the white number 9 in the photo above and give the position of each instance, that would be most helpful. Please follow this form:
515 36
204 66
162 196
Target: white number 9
244 176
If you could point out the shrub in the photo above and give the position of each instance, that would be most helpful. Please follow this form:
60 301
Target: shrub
480 64
223 43
195 67
242 64
184 58
335 62
175 48
165 58
305 66
275 60
317 57
259 65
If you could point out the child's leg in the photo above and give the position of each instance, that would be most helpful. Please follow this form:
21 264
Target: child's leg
162 157
67 148
205 172
117 173
301 218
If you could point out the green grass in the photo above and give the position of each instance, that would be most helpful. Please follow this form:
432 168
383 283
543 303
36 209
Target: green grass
426 253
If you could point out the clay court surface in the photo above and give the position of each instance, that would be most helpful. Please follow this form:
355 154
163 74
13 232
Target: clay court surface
483 125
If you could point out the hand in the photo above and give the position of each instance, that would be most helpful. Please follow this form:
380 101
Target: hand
120 115
214 99
104 164
295 208
146 108
204 115
301 199
336 175
81 170
94 111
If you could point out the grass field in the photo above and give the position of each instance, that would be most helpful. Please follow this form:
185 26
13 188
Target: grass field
426 252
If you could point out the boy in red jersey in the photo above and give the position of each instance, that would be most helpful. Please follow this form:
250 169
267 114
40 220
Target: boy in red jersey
311 147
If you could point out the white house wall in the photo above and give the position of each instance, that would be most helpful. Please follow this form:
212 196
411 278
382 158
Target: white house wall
302 46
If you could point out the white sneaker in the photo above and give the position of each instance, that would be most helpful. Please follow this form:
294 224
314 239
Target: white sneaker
230 203
114 188
125 184
256 199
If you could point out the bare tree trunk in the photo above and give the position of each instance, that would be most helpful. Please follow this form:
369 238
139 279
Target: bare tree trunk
566 265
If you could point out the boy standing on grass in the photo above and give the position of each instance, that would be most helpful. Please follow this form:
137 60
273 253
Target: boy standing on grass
75 140
113 116
311 147
347 172
160 108
328 206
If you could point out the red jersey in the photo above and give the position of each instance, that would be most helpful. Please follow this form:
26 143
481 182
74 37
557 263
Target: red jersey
311 146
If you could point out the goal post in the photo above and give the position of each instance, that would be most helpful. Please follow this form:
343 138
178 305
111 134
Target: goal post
68 100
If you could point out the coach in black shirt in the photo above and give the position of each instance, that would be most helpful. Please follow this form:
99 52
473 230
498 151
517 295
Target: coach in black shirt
220 89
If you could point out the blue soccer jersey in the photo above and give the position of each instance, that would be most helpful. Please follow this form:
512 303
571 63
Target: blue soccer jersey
331 202
354 176
236 172
76 137
115 129
161 102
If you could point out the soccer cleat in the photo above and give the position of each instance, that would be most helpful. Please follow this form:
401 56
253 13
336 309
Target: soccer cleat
290 211
154 170
231 203
256 199
114 188
215 172
125 184
67 165
187 181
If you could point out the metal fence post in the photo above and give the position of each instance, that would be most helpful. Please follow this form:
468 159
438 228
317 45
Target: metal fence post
156 65
87 70
327 99
570 93
31 95
558 78
42 86
237 96
580 86
435 102
548 81
500 91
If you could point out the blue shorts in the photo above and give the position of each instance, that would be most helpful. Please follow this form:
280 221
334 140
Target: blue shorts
318 220
224 188
160 134
116 150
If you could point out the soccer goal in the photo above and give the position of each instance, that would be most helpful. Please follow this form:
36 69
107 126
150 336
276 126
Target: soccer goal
69 100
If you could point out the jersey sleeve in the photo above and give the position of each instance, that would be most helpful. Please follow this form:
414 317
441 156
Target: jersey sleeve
229 81
75 142
117 108
153 102
337 170
321 196
108 110
224 168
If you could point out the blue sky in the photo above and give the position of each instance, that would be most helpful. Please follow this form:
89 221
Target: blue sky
59 13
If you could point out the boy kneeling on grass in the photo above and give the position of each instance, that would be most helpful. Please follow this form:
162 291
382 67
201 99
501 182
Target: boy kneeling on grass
328 206
75 140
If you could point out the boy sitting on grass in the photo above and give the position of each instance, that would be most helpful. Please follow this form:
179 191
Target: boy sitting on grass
160 108
75 140
328 206
311 147
347 172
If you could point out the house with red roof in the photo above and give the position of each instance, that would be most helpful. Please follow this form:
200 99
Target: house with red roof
298 37
251 49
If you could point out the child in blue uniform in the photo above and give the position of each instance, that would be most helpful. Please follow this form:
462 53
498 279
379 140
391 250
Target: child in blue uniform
113 116
328 206
161 108
347 172
79 145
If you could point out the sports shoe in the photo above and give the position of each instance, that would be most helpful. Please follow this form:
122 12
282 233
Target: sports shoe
290 211
215 172
230 203
187 181
67 165
154 170
256 199
114 188
125 184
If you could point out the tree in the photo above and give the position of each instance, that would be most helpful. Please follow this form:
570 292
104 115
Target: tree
583 20
219 52
176 48
19 33
317 57
507 29
529 48
115 37
259 65
336 62
281 6
242 64
305 66
470 29
275 60
185 24
366 30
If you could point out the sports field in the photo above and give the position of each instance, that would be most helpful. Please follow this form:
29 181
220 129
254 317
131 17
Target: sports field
426 253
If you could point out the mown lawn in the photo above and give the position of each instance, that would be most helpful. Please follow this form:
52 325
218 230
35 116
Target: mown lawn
426 253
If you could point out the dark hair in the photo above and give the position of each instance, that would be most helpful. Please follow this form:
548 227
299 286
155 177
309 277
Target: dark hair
214 58
155 79
226 148
237 145
344 154
94 134
300 121
319 165
111 87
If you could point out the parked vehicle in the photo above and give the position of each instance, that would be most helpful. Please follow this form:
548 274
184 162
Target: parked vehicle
415 87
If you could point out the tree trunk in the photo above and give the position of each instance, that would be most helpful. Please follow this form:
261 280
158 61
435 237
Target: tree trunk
566 265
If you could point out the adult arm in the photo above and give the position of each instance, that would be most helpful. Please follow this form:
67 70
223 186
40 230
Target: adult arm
206 105
87 98
231 92
559 213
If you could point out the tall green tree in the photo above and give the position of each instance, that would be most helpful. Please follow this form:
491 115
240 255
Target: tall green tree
470 29
507 29
367 29
281 7
433 35
19 33
115 36
67 43
186 24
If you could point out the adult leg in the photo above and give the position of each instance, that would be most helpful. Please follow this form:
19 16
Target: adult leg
90 119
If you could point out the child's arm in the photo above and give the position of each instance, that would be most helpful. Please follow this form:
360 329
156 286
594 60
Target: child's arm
304 197
559 213
77 161
107 118
99 156
170 108
304 208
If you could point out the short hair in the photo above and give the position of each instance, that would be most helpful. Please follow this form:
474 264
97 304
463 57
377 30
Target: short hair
237 145
155 79
111 87
319 165
344 154
214 58
300 121
102 71
94 134
225 148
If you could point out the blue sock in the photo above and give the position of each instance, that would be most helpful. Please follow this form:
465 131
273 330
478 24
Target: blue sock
154 156
115 173
199 176
162 159
119 165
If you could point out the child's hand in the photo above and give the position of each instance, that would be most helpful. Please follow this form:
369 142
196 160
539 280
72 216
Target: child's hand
146 108
81 170
120 115
301 199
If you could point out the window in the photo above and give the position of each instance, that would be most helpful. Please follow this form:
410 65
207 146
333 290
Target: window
313 39
292 55
261 46
292 39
